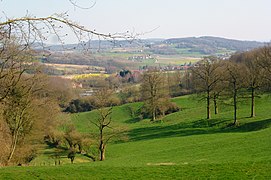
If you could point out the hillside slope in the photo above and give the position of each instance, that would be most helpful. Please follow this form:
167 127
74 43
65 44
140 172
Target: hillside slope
182 145
214 42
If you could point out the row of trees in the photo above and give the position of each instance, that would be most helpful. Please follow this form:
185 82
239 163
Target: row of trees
241 76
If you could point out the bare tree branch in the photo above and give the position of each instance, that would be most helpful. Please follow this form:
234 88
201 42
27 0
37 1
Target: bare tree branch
75 4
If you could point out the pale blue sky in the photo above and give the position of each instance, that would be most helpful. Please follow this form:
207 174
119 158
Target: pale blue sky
237 19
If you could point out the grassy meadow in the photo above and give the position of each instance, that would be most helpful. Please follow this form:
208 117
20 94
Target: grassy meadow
182 145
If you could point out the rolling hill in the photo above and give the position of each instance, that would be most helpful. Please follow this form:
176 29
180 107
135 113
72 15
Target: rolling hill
182 145
206 44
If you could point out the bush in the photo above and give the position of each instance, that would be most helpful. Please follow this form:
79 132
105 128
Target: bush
79 105
114 101
164 107
172 108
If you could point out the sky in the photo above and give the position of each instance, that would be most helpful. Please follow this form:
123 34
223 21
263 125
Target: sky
234 19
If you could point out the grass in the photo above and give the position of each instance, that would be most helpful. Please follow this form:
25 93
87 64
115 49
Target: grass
176 59
88 171
52 156
182 145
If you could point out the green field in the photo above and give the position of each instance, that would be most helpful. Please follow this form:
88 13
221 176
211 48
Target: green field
182 145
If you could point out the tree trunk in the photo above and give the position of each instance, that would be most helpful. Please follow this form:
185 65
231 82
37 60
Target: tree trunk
163 113
208 105
102 146
235 105
215 104
72 159
252 102
13 146
153 115
102 151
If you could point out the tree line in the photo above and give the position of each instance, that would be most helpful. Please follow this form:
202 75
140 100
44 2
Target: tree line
244 75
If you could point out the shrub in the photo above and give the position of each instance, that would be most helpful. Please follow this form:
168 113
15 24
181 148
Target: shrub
164 107
79 105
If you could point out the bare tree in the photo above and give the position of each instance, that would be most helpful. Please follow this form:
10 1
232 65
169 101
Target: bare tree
254 73
206 76
19 35
19 112
30 29
74 140
264 60
104 120
14 62
153 89
234 77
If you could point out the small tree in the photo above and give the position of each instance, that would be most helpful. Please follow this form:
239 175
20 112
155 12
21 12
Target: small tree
103 121
153 89
73 139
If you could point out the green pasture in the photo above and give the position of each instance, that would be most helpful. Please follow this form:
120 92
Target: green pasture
182 145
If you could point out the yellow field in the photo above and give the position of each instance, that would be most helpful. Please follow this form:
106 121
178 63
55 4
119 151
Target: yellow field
86 76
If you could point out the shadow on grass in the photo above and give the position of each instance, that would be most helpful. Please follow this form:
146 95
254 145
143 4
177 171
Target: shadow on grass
133 120
155 132
204 123
194 128
252 126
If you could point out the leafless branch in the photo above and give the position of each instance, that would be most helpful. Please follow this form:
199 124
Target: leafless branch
75 4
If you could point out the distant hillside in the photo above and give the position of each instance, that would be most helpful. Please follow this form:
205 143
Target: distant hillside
209 45
102 45
206 45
